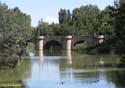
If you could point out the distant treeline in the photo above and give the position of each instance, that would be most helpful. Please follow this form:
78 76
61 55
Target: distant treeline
89 20
86 20
16 29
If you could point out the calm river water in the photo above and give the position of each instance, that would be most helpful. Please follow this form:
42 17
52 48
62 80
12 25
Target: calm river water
61 69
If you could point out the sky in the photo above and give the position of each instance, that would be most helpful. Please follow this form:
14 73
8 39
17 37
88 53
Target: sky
48 9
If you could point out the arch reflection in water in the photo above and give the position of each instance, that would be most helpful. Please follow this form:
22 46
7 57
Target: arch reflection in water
69 56
41 56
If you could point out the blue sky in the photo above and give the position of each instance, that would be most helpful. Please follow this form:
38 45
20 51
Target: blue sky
48 9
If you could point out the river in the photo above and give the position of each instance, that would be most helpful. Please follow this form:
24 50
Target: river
66 69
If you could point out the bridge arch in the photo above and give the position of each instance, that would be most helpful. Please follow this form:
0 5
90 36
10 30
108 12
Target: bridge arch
64 42
53 45
78 42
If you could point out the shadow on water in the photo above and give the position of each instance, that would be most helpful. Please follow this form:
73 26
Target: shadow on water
14 78
122 61
49 53
117 77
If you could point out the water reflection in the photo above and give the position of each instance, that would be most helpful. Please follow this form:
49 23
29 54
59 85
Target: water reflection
41 56
69 56
66 70
17 75
117 78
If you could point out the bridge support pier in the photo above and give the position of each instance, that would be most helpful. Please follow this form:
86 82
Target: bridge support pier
40 43
68 43
101 39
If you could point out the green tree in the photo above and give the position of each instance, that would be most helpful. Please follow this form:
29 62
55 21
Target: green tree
120 29
84 19
105 24
56 29
14 30
65 21
44 28
64 16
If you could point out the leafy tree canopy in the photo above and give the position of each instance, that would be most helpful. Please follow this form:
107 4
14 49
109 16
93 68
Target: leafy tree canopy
15 29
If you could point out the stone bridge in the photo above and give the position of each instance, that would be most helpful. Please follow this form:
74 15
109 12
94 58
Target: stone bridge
64 42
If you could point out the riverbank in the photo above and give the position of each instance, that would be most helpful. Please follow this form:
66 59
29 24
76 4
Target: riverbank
9 62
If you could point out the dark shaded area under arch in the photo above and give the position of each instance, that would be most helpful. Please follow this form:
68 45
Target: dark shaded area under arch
53 45
78 42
